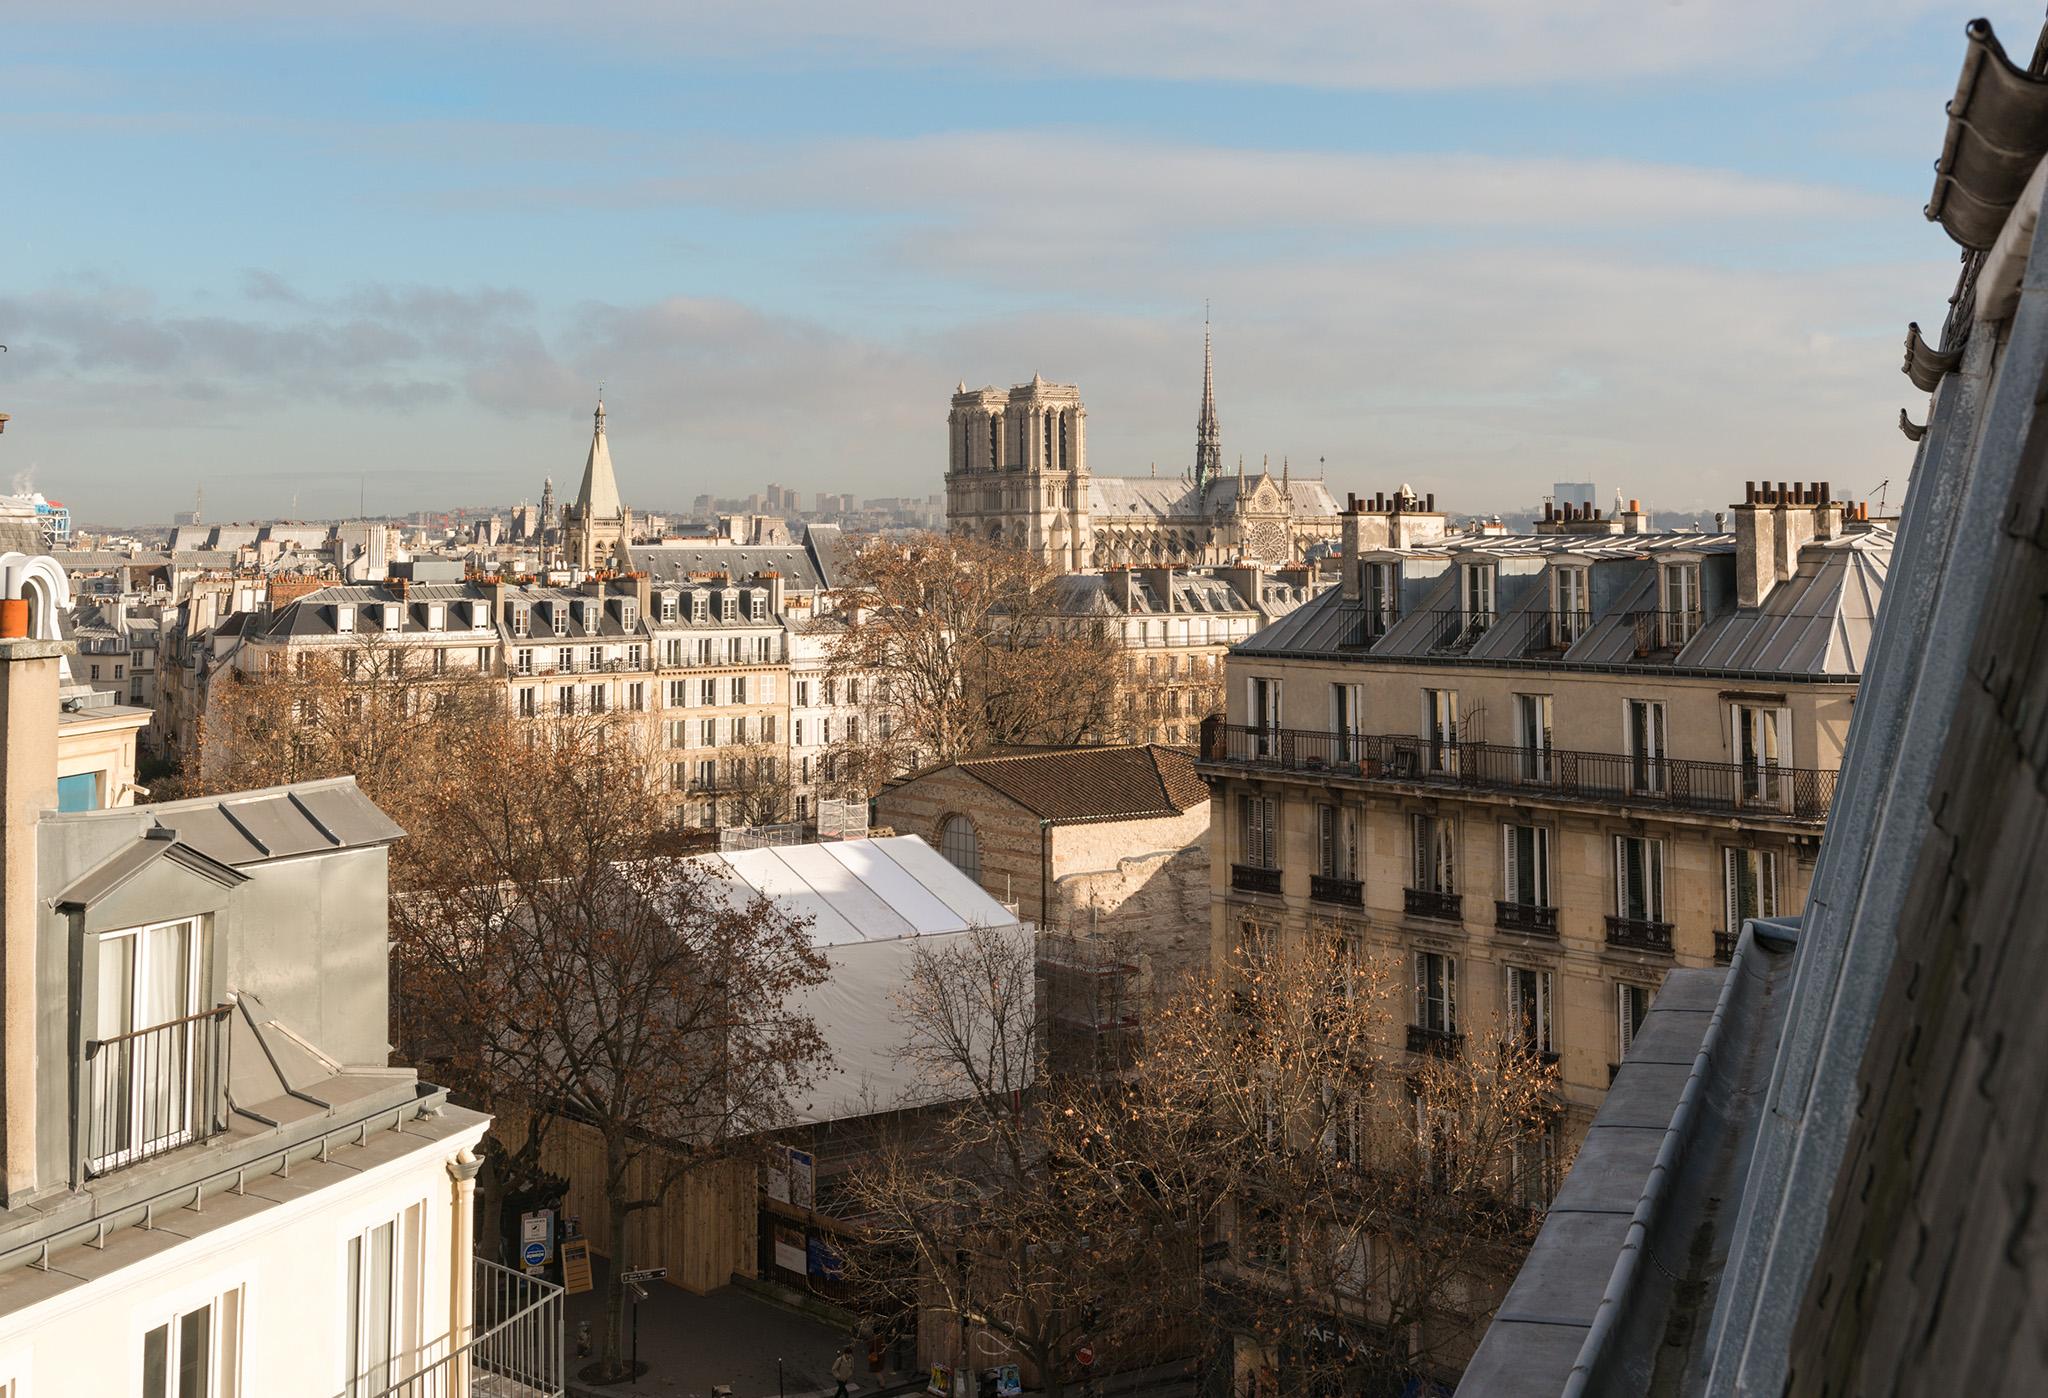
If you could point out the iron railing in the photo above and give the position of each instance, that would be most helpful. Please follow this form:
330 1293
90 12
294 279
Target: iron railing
1656 630
1639 934
1527 918
1326 888
1763 789
1251 878
1724 947
1553 631
1455 629
1441 1042
1427 902
1361 624
514 1348
153 1090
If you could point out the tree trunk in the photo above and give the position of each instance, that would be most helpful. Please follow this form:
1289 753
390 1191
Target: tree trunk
613 1361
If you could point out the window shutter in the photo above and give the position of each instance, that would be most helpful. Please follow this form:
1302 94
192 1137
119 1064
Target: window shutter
1422 987
1621 876
1539 873
1731 888
1326 840
1767 884
1450 995
1653 899
1512 880
1419 824
1625 1029
767 689
1447 843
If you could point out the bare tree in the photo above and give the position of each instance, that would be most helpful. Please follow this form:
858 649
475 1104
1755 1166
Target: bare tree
559 961
965 646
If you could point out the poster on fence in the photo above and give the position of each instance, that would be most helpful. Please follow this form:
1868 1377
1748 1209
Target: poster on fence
790 1252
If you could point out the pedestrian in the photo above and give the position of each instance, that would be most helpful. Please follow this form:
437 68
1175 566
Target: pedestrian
842 1369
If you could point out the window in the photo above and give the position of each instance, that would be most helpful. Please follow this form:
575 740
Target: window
668 606
1632 1005
700 607
437 617
739 728
522 661
1346 720
565 659
1761 742
1380 589
1648 772
1257 832
597 657
707 779
1526 869
707 733
1571 606
1529 1009
119 673
803 695
522 619
1532 736
151 1073
597 699
1436 992
1440 728
739 689
1436 861
383 1303
1750 885
767 728
440 660
1533 1159
79 792
958 844
565 700
1476 592
1682 610
728 606
93 671
629 615
707 693
853 691
1639 878
1336 842
1265 715
831 692
678 776
757 608
194 1354
483 659
678 732
558 614
636 696
678 694
344 619
526 703
796 732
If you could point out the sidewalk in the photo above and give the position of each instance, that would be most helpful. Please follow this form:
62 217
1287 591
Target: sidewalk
693 1343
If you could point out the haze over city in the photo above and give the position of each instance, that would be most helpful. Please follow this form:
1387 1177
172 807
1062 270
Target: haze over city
381 257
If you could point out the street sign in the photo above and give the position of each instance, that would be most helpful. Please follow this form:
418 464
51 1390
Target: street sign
534 1254
644 1274
639 1294
1085 1356
538 1227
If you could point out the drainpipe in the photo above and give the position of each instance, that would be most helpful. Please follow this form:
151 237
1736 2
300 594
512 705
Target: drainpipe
461 1302
1044 871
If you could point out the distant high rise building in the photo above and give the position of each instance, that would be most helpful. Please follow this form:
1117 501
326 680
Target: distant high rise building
1578 494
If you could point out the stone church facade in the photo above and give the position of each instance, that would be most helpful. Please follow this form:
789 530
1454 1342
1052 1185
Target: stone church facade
1017 473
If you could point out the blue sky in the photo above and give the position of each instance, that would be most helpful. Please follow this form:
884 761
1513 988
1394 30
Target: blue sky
298 256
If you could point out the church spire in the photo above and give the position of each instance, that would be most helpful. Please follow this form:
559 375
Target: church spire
1208 437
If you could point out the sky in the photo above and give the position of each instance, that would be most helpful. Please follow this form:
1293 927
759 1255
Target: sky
307 259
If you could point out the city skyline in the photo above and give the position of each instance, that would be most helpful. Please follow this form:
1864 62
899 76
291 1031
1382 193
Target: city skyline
369 260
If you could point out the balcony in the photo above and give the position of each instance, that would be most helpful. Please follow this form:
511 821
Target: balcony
1601 778
1724 947
1325 888
1454 630
514 1348
151 1091
1425 902
1250 878
1639 934
1664 630
1528 919
1441 1042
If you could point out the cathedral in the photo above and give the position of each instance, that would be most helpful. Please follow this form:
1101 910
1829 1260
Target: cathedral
1017 473
597 528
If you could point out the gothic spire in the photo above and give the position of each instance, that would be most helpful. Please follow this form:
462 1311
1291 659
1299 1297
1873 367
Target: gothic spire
1208 437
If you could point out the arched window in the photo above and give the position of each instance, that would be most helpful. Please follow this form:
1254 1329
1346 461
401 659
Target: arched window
957 843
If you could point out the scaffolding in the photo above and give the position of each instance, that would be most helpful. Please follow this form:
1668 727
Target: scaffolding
1089 997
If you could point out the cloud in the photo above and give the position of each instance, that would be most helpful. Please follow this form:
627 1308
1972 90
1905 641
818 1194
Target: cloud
1387 44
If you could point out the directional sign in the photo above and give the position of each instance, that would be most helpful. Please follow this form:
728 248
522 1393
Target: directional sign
645 1274
534 1254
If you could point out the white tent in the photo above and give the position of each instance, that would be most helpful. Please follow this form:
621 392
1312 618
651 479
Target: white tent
870 905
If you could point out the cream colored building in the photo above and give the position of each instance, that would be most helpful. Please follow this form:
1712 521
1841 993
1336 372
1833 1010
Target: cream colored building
1539 771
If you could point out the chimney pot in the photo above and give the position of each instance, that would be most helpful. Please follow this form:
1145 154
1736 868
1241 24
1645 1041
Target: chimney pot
1429 502
1635 506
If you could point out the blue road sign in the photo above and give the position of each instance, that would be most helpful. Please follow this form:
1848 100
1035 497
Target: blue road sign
533 1254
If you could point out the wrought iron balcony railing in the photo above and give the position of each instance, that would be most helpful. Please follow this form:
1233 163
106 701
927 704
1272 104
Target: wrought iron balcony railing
1766 789
1639 934
1427 902
1251 878
1526 918
1325 888
1441 1042
1724 947
153 1090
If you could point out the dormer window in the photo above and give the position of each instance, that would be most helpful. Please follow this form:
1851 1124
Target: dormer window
558 613
480 616
1680 607
668 606
393 612
1379 587
758 606
522 619
728 606
1476 592
591 613
344 619
629 615
437 616
1571 605
700 607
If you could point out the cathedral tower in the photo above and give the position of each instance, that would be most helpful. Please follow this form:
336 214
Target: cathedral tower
1208 435
597 528
1017 468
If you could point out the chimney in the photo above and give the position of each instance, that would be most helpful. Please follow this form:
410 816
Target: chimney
29 677
1796 524
1756 534
1348 574
1633 520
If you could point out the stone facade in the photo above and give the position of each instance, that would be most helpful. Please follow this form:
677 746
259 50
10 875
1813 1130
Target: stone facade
1017 473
